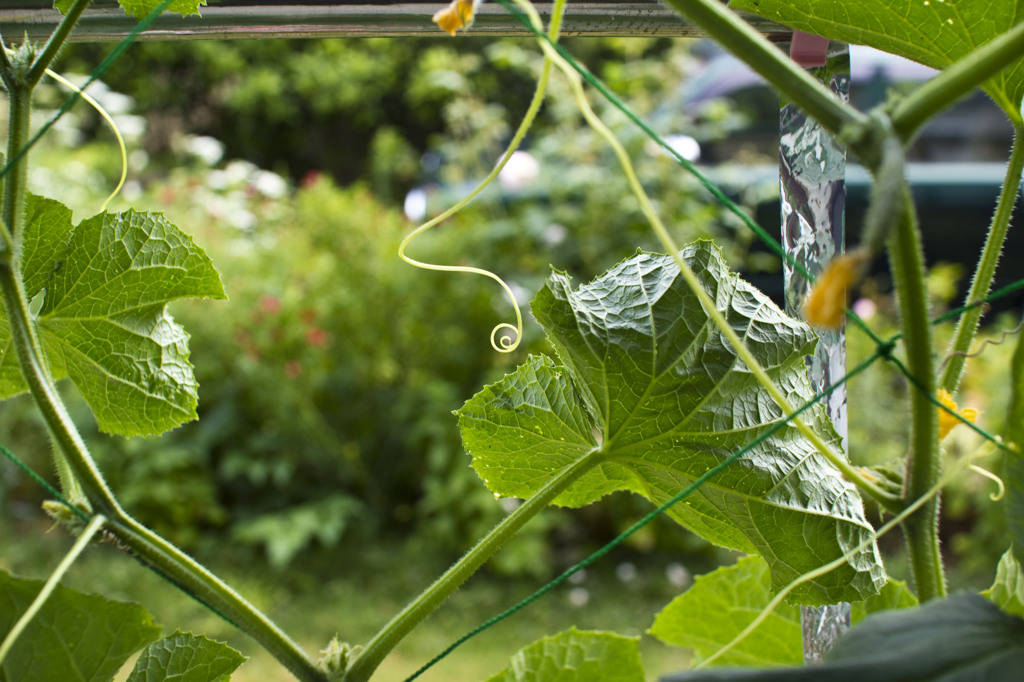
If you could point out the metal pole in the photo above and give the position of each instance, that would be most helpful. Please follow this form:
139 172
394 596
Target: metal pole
812 172
104 21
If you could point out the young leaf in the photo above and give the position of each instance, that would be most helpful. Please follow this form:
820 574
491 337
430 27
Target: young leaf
646 370
960 639
933 32
576 656
1007 592
141 8
184 657
719 605
103 287
75 637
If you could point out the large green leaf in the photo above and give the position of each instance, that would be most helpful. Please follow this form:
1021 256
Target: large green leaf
933 32
184 657
576 656
647 378
102 288
75 637
141 8
719 605
960 639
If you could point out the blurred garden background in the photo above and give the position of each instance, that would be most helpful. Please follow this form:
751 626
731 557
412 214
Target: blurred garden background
325 477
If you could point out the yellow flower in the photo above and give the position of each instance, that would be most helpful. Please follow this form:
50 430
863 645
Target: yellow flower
948 421
826 302
459 14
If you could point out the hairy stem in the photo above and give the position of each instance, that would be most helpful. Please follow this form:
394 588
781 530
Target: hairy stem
413 614
956 81
19 102
56 41
906 260
985 271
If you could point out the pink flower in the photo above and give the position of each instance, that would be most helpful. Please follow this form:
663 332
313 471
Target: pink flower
316 336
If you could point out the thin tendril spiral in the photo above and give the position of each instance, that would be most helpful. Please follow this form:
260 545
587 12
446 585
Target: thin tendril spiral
503 343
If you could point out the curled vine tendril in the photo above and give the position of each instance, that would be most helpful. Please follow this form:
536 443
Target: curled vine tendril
501 338
110 122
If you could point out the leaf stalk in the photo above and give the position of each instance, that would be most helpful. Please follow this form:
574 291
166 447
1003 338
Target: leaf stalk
56 42
421 607
906 258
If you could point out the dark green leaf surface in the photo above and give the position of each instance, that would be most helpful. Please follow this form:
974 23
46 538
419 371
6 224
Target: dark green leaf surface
103 287
184 657
75 637
576 656
646 377
960 639
141 8
933 32
719 605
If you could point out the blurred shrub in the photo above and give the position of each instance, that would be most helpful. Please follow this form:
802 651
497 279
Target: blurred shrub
328 380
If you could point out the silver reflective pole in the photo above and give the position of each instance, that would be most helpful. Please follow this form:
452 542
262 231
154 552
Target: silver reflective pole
812 172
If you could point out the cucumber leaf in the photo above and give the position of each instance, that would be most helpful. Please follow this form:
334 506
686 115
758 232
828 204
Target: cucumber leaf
963 638
719 605
646 377
141 8
576 656
75 637
1007 592
102 289
933 32
184 657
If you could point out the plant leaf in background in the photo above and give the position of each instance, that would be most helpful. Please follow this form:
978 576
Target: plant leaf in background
576 656
101 289
1007 592
933 32
960 639
184 657
647 378
719 605
140 8
75 637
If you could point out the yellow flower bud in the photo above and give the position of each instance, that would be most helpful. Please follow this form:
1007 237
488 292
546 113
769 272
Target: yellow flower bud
826 302
459 14
948 421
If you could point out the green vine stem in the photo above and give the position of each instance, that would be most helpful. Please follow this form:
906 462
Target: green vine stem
957 80
151 548
776 67
417 610
906 261
83 481
985 271
94 525
56 41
